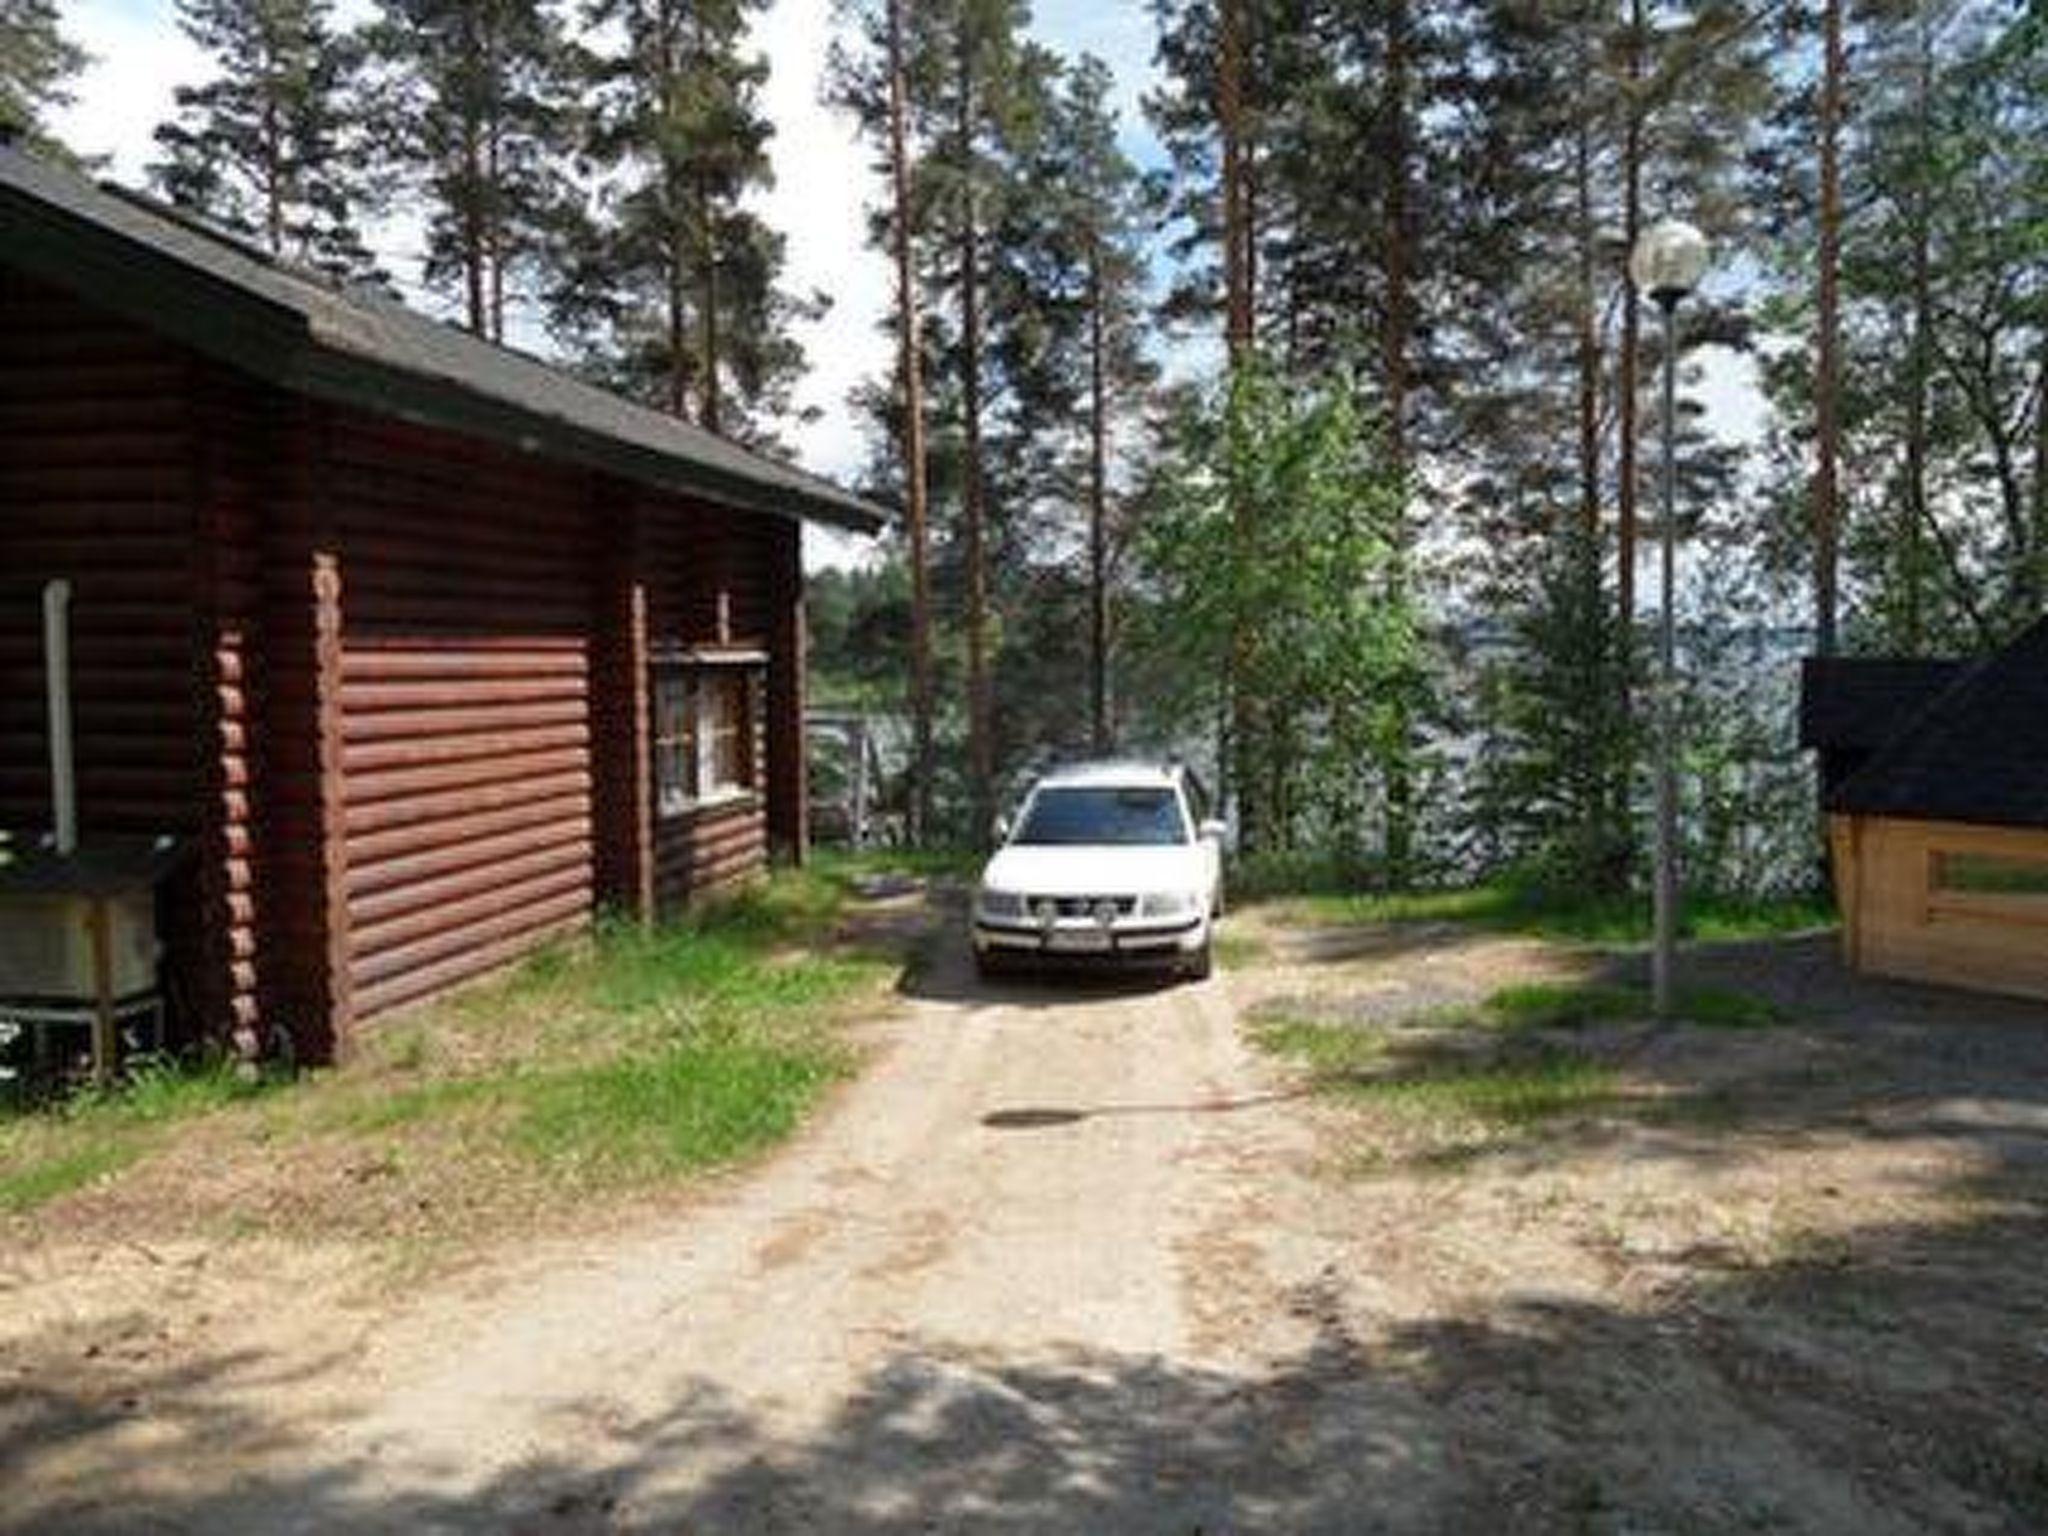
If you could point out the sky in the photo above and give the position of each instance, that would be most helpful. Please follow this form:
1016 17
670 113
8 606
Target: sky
824 182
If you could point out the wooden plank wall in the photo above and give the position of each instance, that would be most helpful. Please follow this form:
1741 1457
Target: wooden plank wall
709 582
1896 923
468 612
95 486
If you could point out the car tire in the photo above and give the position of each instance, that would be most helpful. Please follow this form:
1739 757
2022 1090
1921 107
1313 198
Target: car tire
1201 962
990 966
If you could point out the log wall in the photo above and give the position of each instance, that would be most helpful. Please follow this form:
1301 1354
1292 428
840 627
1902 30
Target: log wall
1897 922
465 701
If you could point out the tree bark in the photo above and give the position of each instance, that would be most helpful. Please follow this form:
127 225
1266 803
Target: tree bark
1917 513
980 747
1628 385
1237 270
910 364
1395 341
1242 765
1098 508
1827 363
1588 326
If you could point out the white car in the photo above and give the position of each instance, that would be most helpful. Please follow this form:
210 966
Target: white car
1108 863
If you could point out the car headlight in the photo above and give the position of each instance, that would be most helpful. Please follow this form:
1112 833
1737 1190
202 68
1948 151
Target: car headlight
1001 903
1169 904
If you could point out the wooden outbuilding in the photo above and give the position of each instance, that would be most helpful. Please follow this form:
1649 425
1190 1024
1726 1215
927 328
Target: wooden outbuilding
422 650
1938 818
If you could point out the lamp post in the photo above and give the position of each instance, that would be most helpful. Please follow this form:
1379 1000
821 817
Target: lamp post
1667 264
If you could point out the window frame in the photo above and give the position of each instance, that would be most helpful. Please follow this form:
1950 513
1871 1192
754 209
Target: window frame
683 690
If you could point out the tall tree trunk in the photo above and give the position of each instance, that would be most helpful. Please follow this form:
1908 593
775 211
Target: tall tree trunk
980 747
1230 124
1627 386
1919 362
678 310
478 313
273 178
1588 325
1827 361
708 404
1242 766
1396 335
494 224
910 363
1098 507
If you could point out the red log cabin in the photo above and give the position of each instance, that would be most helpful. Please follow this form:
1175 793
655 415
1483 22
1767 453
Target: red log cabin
421 650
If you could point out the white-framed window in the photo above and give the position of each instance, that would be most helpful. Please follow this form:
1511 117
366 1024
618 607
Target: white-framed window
703 733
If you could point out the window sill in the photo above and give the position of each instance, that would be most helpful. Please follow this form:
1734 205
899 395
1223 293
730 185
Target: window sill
728 800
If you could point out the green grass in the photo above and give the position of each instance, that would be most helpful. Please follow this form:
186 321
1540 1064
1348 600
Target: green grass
1598 920
702 1101
51 1151
627 1055
1238 949
39 1179
1574 1005
1491 1089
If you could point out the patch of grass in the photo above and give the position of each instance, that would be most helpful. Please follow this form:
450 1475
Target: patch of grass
1575 1005
621 1055
1562 1005
40 1179
52 1150
702 1101
1491 1088
1510 908
1233 950
1507 1094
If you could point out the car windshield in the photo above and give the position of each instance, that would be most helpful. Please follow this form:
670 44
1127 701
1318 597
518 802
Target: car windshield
1123 817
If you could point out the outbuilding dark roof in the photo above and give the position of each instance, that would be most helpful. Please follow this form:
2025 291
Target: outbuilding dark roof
1858 703
304 332
1977 752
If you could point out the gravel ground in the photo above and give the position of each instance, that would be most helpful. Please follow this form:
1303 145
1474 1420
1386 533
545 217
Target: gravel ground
1077 1259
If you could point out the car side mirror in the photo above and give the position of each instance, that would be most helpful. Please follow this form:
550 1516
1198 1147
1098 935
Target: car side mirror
1002 829
1214 831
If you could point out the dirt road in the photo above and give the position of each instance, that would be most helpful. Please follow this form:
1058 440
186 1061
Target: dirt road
1016 1279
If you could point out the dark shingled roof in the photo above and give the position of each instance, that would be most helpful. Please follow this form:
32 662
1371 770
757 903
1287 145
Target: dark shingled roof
1858 703
222 297
1977 752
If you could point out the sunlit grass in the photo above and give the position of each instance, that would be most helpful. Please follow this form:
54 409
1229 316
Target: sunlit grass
1586 919
1487 1089
624 1055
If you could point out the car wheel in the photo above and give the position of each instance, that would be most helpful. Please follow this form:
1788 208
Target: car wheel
1200 963
988 965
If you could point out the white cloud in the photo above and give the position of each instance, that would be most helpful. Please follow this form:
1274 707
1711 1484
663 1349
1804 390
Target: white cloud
824 182
139 58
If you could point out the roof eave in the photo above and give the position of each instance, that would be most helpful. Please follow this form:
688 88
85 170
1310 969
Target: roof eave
274 342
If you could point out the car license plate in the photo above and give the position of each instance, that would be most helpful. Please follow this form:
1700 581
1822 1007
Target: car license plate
1080 940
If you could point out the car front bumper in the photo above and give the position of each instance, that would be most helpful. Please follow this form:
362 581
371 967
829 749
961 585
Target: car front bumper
1080 941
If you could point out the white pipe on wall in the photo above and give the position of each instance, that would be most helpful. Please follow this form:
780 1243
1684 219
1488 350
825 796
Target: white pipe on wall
57 677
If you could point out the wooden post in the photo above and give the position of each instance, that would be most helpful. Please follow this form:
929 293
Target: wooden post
307 987
789 833
621 710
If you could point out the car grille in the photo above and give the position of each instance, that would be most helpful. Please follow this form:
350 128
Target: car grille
1081 906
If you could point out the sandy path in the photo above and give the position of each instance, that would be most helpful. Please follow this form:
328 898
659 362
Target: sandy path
1013 1280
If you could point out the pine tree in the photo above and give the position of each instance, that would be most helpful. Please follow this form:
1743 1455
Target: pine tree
1093 279
473 114
37 65
676 292
869 75
269 148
